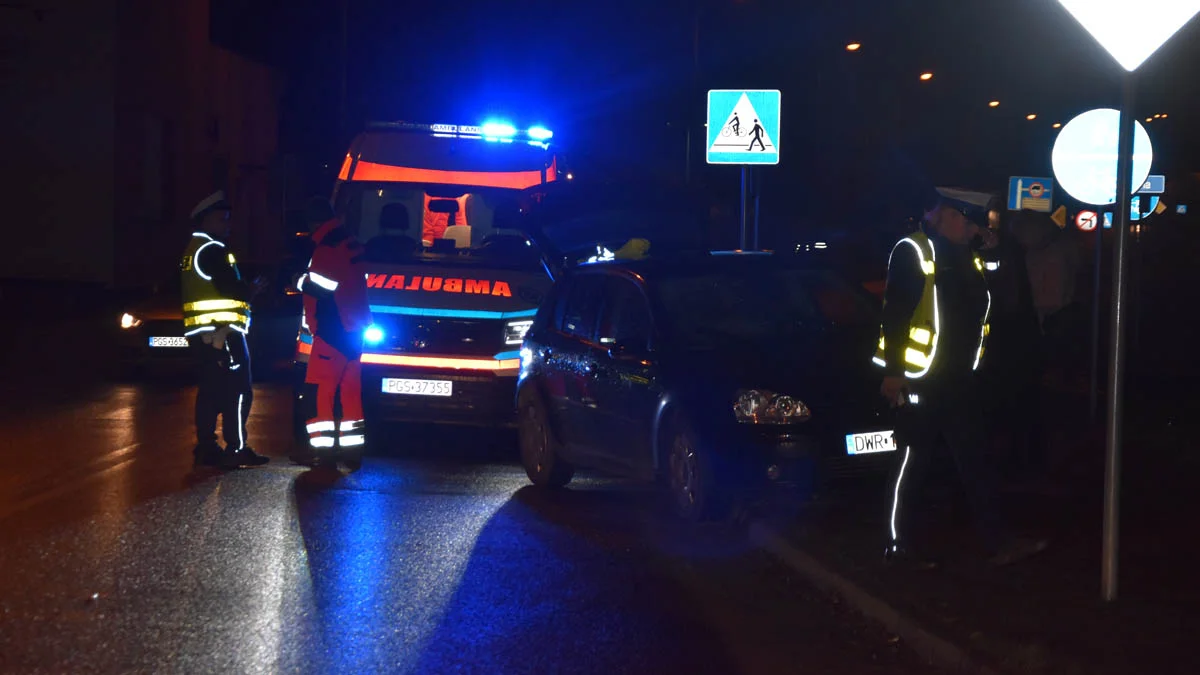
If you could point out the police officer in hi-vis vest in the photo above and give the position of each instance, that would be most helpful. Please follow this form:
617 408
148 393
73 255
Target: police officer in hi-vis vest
933 338
216 320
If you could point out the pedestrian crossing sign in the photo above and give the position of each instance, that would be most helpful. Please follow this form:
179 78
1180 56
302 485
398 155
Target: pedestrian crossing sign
743 126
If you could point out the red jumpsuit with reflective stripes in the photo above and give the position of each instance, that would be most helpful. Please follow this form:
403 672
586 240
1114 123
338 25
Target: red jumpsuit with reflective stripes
336 312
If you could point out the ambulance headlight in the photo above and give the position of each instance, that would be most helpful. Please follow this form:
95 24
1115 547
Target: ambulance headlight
754 406
373 335
514 331
130 321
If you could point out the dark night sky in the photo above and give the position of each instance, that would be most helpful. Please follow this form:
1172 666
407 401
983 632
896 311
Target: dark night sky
615 81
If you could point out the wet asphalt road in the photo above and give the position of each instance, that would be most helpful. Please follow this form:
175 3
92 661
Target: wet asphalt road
118 557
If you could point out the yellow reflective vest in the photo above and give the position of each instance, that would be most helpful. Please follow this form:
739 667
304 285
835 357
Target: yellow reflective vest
204 307
920 353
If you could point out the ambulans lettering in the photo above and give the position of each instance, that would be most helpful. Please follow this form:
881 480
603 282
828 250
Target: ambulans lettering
402 282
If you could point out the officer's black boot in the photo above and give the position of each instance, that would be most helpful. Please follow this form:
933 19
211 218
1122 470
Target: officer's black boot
207 454
897 555
244 458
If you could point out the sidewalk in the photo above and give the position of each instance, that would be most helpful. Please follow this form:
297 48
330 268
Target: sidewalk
1045 615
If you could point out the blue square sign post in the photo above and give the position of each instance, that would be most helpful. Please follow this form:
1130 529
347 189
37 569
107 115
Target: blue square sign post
1034 194
743 126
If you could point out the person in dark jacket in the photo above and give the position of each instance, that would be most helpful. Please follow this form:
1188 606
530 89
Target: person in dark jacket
1012 374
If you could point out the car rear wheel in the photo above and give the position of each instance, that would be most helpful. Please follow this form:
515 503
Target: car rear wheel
539 449
692 482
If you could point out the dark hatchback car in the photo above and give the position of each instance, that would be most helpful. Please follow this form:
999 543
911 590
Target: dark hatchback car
721 373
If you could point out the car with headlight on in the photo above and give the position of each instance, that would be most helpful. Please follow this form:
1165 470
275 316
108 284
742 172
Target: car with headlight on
149 332
720 373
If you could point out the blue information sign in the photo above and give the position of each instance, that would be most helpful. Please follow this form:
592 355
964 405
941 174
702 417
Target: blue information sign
743 126
1033 194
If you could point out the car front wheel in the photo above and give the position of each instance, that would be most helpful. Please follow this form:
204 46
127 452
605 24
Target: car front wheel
539 449
696 491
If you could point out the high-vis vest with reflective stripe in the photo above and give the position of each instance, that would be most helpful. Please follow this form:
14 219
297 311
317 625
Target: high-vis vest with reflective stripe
204 308
920 352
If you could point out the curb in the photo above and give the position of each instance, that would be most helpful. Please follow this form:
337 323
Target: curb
933 649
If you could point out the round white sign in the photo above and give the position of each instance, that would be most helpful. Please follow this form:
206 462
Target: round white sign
1086 221
1085 156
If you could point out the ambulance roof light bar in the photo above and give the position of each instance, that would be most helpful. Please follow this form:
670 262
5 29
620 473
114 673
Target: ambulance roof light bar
492 130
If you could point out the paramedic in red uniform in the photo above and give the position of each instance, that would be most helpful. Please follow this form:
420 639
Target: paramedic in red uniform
337 314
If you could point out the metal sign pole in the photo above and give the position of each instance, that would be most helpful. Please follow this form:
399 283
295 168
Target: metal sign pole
1116 376
742 226
1097 261
757 195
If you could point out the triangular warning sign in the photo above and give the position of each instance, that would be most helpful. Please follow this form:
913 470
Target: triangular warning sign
743 131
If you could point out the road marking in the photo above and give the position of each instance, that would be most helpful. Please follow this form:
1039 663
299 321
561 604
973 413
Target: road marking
938 651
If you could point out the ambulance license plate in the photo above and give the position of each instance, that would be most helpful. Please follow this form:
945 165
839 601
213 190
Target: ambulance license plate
870 443
168 342
405 387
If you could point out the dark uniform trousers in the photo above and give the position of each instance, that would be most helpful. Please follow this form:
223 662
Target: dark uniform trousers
225 389
953 412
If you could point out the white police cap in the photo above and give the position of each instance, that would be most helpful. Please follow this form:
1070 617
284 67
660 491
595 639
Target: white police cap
214 202
973 205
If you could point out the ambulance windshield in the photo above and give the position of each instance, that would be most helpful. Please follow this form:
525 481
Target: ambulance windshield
400 222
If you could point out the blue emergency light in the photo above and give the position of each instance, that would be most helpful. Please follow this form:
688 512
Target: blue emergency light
373 335
540 133
499 130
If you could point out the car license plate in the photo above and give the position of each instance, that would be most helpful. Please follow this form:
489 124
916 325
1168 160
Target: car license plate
869 443
168 342
393 385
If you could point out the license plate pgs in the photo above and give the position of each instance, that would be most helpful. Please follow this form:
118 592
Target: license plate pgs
405 387
168 342
869 443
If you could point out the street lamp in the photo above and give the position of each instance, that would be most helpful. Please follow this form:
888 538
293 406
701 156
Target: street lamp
853 47
925 77
1056 125
994 104
1031 116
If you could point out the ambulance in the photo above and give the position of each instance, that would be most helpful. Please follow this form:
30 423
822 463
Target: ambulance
452 284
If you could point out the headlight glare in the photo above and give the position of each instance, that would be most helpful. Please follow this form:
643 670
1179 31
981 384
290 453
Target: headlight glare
514 331
130 321
755 406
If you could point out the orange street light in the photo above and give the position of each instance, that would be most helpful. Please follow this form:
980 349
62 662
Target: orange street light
853 47
1149 119
1031 116
925 77
1164 116
994 104
1056 125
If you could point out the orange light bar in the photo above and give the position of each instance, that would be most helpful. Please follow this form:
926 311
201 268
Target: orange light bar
447 362
304 348
517 180
345 171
